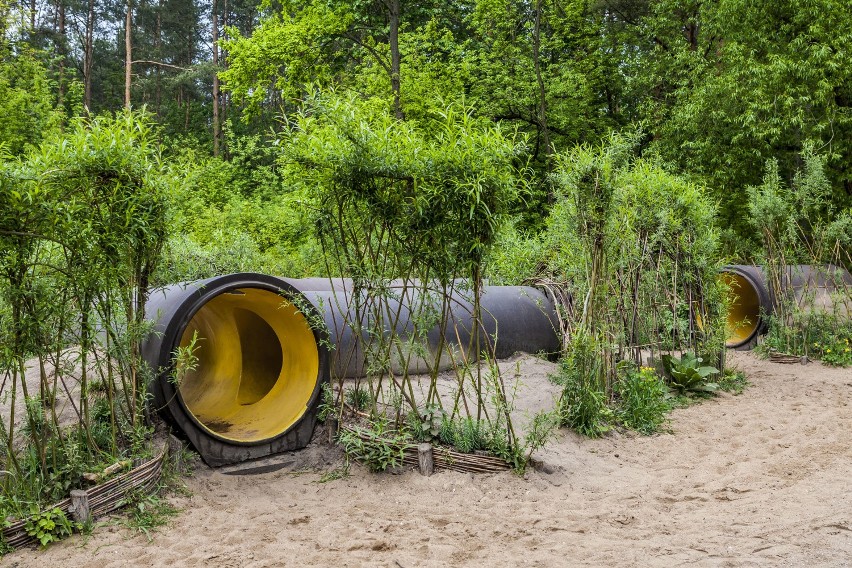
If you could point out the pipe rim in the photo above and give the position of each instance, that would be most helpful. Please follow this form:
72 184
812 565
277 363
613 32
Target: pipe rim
189 308
735 340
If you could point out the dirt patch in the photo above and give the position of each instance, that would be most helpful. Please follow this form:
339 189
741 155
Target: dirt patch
760 479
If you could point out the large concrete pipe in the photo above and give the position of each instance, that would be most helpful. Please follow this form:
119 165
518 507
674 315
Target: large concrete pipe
260 365
812 287
255 388
750 304
521 318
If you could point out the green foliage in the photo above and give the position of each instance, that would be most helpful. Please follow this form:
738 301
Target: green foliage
643 400
635 219
148 512
443 191
429 424
408 211
539 431
26 101
733 381
468 435
273 58
515 258
737 83
237 216
583 404
358 397
799 224
825 337
686 374
545 68
48 526
184 360
718 88
837 352
177 466
624 234
795 220
335 474
327 406
376 447
82 222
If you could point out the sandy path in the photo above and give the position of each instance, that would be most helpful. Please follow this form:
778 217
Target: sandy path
760 479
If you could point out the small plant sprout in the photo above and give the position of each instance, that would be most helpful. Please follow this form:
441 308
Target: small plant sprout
185 359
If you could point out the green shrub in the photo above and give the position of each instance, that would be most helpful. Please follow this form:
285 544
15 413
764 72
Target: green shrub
466 434
584 409
583 404
643 400
422 204
82 224
800 224
824 337
631 253
835 351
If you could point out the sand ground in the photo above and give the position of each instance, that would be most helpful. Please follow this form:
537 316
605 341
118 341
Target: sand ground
759 479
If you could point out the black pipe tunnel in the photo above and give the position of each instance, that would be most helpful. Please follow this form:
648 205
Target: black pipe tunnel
754 296
261 358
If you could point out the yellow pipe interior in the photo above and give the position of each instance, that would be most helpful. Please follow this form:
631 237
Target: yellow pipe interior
744 313
257 365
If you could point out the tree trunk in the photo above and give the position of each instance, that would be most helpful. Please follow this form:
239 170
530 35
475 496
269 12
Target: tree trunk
88 49
128 51
158 43
223 97
216 125
393 40
542 107
60 14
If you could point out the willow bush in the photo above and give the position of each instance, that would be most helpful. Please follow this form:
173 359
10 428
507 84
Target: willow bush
82 223
799 224
409 212
632 251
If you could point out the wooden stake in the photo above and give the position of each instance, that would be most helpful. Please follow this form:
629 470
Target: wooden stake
80 506
425 459
332 425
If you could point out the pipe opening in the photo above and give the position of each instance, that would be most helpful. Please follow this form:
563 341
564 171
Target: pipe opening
744 314
257 365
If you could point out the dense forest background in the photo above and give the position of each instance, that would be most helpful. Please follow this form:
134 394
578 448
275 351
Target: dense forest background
719 93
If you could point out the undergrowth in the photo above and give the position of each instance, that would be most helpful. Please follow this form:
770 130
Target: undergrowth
378 445
822 337
148 512
641 398
733 381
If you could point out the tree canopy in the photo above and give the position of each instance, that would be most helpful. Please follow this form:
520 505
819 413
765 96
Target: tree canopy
716 89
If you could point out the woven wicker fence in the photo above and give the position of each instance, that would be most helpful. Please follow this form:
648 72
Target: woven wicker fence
103 498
